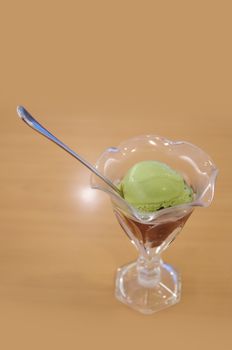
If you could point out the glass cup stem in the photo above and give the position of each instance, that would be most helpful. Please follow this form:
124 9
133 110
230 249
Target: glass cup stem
149 270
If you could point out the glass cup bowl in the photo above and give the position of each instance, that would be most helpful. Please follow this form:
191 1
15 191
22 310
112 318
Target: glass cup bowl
148 284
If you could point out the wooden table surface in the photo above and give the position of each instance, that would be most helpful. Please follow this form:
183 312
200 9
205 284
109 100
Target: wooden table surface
97 73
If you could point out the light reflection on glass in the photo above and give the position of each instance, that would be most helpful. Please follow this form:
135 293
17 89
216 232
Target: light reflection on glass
152 142
190 161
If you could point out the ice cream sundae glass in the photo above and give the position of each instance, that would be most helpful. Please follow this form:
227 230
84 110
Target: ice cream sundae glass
161 182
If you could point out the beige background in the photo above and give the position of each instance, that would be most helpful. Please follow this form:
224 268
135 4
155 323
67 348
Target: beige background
96 73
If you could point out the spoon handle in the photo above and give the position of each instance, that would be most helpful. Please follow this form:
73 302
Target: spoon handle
29 120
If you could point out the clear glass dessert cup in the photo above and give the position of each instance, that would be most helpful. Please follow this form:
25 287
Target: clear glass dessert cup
148 284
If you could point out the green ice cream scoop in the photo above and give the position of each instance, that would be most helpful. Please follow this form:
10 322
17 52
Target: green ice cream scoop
152 185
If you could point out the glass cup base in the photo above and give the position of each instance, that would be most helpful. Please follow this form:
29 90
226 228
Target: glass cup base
145 299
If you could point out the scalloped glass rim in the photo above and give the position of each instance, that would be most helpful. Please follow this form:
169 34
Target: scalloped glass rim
124 145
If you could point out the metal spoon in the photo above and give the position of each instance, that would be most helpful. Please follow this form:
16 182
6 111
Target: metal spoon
29 120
